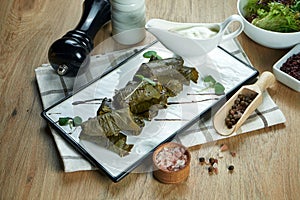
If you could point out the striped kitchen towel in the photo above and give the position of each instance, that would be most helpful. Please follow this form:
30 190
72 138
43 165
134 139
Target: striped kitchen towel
268 114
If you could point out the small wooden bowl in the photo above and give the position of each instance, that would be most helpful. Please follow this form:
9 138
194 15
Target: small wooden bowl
166 176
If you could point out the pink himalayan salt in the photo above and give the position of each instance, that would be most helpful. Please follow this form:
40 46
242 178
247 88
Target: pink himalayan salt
171 158
224 147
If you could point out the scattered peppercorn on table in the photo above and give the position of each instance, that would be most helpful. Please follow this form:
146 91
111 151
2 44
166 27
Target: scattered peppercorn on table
262 164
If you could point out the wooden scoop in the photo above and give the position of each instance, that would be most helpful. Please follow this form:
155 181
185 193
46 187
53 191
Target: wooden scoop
266 79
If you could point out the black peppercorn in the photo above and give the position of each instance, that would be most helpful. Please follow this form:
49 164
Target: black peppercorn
240 105
247 98
201 160
243 103
227 120
232 111
231 168
229 125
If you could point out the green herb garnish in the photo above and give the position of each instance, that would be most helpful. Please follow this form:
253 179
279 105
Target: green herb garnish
146 79
77 121
71 122
212 83
209 79
63 121
148 54
219 88
152 55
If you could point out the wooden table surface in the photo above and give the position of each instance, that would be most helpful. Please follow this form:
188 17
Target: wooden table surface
267 164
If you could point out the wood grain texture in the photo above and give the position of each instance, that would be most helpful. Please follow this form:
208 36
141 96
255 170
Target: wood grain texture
267 165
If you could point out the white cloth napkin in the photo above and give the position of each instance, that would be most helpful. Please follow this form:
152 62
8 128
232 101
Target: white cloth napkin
53 88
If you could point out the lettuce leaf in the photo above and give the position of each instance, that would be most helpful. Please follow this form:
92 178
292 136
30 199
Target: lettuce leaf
274 16
296 6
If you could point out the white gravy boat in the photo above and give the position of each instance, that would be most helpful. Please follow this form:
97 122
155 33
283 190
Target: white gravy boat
193 39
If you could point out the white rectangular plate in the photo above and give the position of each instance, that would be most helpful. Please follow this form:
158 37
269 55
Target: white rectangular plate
224 67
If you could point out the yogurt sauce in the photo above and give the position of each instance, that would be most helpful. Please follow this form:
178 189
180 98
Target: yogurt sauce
196 32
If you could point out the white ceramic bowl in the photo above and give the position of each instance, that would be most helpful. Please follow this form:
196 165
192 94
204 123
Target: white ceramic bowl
284 77
266 38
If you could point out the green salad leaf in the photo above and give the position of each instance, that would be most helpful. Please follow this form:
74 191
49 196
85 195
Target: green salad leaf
274 16
296 6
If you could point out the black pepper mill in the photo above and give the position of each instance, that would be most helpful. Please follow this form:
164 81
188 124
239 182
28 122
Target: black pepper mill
67 54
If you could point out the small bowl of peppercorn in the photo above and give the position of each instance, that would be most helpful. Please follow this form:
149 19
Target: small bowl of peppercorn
287 69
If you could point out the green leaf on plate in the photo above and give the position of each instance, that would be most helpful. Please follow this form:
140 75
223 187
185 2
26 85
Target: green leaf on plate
77 121
213 84
63 121
219 89
158 57
146 79
148 54
209 79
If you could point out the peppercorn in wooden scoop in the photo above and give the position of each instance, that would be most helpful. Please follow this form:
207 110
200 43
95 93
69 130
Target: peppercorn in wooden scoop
238 108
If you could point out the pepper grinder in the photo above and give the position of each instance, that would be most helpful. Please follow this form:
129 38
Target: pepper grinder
67 54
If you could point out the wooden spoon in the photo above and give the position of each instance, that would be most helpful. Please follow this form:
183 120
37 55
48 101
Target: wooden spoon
266 79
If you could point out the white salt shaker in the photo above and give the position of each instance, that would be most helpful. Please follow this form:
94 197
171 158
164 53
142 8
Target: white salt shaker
128 21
